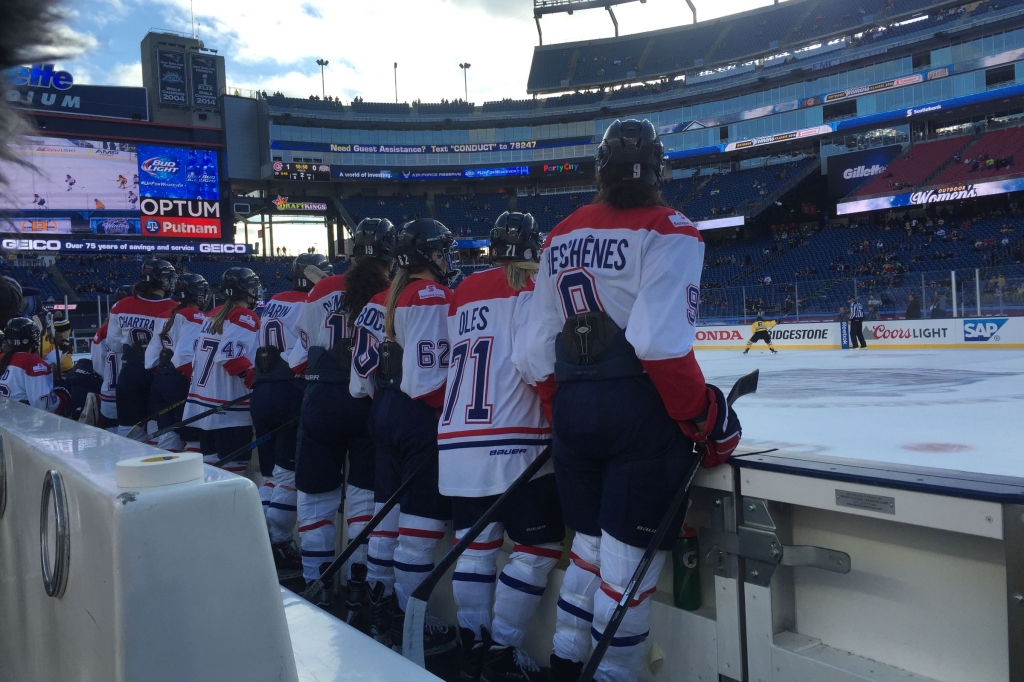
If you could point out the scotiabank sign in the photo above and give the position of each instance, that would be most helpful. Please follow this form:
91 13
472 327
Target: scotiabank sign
180 218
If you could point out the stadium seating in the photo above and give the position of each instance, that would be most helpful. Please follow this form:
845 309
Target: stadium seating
551 209
399 109
396 209
458 107
735 193
913 167
1002 146
509 105
470 216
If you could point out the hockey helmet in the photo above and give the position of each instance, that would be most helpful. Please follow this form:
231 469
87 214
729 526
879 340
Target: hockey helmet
240 283
22 334
418 240
374 238
123 291
515 236
300 282
193 289
160 272
631 150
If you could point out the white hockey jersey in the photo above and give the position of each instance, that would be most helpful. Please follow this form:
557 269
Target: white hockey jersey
134 320
180 339
219 370
369 328
106 364
642 267
28 379
492 424
279 320
421 329
320 321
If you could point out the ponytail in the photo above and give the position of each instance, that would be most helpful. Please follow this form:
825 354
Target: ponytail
170 320
217 327
518 273
364 280
401 280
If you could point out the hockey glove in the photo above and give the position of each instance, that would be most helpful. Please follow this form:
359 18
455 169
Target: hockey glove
721 433
249 377
63 397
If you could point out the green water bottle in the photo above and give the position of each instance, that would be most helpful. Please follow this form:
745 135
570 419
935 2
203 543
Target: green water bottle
685 571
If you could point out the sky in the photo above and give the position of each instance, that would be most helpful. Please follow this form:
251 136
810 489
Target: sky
273 45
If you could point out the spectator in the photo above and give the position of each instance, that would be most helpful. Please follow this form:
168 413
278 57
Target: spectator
843 315
938 310
913 308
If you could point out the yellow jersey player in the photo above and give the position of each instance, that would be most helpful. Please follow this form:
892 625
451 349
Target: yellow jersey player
760 329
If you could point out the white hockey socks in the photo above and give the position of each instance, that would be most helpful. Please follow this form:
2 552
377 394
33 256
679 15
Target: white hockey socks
575 612
519 591
474 578
414 556
316 530
281 508
380 559
358 511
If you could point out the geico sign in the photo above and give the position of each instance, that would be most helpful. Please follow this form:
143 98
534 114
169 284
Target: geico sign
718 335
32 244
180 208
222 248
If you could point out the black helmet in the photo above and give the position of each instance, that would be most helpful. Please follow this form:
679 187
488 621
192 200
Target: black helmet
239 283
374 238
22 334
515 236
632 150
193 288
123 291
160 272
300 282
418 240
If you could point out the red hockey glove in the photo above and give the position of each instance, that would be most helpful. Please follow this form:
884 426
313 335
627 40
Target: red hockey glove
249 377
721 433
63 400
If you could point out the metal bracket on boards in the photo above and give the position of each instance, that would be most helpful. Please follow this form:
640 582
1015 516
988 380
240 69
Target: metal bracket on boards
756 542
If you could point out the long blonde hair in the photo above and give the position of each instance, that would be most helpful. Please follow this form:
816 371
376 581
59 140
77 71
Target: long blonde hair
518 273
217 327
401 280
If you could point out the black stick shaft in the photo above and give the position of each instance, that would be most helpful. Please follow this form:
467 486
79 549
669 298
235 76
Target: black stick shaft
255 444
201 415
160 412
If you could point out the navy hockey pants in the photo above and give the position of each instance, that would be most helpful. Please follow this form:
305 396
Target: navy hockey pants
333 424
132 393
274 403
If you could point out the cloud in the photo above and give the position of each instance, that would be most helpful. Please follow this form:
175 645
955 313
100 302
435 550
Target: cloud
311 11
126 75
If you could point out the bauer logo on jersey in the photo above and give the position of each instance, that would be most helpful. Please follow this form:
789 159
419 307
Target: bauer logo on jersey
431 291
983 330
679 220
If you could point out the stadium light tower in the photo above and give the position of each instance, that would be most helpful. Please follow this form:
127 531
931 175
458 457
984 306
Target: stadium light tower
465 82
323 89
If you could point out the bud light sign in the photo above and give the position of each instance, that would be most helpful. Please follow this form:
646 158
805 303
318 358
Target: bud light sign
980 331
174 173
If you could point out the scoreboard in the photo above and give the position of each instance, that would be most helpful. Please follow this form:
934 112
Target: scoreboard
310 172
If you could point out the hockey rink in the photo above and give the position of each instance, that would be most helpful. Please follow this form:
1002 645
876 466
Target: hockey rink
958 410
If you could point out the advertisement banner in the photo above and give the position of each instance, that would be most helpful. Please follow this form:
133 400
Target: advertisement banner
427 148
847 172
181 228
798 336
116 226
118 246
203 70
931 196
35 226
348 173
178 173
299 205
781 137
180 208
170 75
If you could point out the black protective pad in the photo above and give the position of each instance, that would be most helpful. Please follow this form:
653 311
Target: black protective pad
267 358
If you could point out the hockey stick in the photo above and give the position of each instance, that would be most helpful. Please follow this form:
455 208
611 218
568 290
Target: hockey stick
743 386
255 444
138 428
416 609
195 418
315 588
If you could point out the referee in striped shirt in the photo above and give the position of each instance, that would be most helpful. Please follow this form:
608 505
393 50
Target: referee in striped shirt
856 323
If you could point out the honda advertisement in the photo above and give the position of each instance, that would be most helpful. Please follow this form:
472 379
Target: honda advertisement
847 172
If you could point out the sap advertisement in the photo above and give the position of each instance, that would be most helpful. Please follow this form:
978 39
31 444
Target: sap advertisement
847 172
111 189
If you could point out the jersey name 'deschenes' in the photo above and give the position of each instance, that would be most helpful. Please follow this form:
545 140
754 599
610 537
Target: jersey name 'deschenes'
219 369
421 329
642 267
280 318
320 321
28 379
180 339
105 363
492 424
369 330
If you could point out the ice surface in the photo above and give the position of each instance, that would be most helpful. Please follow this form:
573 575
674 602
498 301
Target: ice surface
948 409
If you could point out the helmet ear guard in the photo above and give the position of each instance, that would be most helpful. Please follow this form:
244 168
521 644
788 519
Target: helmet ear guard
417 242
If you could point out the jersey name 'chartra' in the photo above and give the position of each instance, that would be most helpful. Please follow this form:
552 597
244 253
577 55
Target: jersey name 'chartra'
130 322
589 252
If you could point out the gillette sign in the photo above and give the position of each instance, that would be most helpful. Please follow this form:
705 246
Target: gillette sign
862 172
847 172
40 76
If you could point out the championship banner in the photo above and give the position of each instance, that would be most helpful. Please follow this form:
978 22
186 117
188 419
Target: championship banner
170 73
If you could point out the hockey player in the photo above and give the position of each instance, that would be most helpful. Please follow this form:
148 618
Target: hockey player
106 363
334 420
61 348
170 356
492 427
133 323
222 369
612 322
24 376
276 400
760 328
409 381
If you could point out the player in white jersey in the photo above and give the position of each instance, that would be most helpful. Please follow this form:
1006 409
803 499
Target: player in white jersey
222 369
24 376
132 325
492 427
612 321
409 382
106 363
277 400
176 337
334 421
